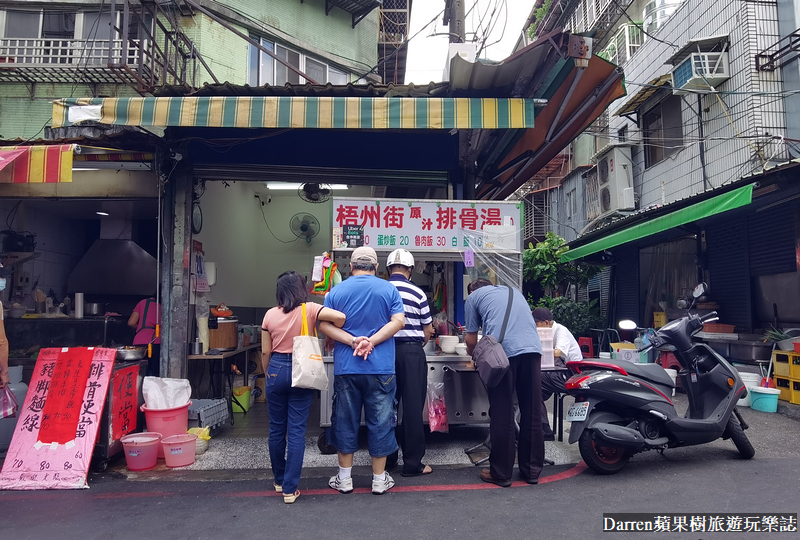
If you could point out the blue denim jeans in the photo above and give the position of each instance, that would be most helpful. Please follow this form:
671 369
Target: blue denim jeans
288 414
376 394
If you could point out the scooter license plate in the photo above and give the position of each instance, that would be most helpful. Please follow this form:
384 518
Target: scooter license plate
578 412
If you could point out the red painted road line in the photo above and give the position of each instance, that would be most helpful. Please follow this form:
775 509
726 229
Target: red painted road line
574 471
134 495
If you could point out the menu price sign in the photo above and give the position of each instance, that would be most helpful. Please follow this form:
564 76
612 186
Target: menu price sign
52 444
427 225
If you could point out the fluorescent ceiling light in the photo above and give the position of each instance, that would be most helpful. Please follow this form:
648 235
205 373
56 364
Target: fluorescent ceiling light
276 186
86 169
101 213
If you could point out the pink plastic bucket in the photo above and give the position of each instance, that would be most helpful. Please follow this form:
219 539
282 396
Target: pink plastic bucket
141 450
179 450
168 422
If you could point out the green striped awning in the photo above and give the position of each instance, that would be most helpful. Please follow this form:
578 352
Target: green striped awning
721 203
300 112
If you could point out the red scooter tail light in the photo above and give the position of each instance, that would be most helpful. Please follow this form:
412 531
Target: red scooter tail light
577 382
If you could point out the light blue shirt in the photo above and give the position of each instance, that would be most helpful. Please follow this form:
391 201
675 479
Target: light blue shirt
486 307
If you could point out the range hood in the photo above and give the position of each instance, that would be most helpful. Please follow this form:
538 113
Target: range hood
114 267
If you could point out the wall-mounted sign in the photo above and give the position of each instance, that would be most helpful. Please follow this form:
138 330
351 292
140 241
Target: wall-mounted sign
426 225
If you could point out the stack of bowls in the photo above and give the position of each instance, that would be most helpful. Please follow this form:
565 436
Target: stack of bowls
448 344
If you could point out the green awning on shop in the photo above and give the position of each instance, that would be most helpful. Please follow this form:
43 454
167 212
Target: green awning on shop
716 205
279 112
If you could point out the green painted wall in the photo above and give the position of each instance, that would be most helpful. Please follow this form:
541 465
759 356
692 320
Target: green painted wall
307 23
223 51
24 116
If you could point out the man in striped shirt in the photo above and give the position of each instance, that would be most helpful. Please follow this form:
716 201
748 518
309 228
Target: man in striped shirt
410 363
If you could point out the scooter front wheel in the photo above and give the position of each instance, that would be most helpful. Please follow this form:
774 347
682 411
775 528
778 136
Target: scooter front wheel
736 433
602 459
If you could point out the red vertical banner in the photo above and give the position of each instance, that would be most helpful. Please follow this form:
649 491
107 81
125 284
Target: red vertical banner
58 425
124 400
62 411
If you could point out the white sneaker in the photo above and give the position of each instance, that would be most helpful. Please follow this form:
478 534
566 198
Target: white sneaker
342 486
379 487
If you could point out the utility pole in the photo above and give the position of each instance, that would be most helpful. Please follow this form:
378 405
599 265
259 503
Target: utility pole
454 19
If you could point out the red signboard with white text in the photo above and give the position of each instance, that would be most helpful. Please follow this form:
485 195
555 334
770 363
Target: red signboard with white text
426 225
57 428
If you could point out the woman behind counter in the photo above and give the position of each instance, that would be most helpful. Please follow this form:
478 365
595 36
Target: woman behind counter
288 407
146 315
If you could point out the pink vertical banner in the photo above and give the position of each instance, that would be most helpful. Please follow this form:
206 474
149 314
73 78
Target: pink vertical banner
58 425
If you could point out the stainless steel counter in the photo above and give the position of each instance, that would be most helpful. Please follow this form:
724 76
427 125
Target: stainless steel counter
750 350
465 395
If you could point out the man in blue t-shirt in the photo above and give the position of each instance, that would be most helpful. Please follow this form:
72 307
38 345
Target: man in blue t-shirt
486 308
363 368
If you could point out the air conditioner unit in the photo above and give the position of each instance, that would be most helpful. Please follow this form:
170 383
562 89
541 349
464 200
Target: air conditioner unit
615 180
700 71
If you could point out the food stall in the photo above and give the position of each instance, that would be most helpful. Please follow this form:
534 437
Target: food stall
453 243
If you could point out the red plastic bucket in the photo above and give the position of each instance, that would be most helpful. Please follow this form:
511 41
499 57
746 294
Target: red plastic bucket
141 450
168 422
179 450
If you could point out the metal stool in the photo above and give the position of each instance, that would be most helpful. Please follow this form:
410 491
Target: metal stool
558 414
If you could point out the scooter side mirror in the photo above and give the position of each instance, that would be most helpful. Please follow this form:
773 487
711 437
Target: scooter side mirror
700 290
627 324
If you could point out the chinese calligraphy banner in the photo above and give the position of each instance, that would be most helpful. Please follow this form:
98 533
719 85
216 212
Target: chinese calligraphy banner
53 442
124 401
428 225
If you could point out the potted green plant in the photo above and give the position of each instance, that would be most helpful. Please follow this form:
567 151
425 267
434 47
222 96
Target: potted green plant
781 338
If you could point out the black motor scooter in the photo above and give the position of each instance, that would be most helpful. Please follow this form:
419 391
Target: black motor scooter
622 408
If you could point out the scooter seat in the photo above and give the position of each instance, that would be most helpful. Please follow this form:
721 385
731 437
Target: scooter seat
649 372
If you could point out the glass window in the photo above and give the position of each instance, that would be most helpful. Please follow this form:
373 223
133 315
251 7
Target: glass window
96 28
260 65
58 25
58 28
663 130
316 70
267 66
22 24
96 25
337 77
252 65
282 73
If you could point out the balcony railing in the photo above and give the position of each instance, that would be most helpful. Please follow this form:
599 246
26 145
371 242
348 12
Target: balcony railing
150 51
73 52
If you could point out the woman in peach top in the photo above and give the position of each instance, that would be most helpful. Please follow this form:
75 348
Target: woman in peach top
288 406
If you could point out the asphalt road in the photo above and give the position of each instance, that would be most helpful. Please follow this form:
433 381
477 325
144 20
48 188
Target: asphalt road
451 503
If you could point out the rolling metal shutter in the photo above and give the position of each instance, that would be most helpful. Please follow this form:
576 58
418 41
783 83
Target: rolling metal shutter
729 273
626 282
771 241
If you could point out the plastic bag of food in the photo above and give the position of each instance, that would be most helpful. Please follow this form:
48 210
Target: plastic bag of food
201 432
437 409
8 403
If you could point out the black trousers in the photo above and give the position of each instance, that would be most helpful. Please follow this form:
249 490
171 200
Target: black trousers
552 382
154 362
412 383
524 375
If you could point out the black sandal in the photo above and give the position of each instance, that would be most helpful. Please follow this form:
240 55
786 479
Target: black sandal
420 473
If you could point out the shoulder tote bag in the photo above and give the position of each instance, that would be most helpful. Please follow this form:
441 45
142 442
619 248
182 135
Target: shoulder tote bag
308 370
489 357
